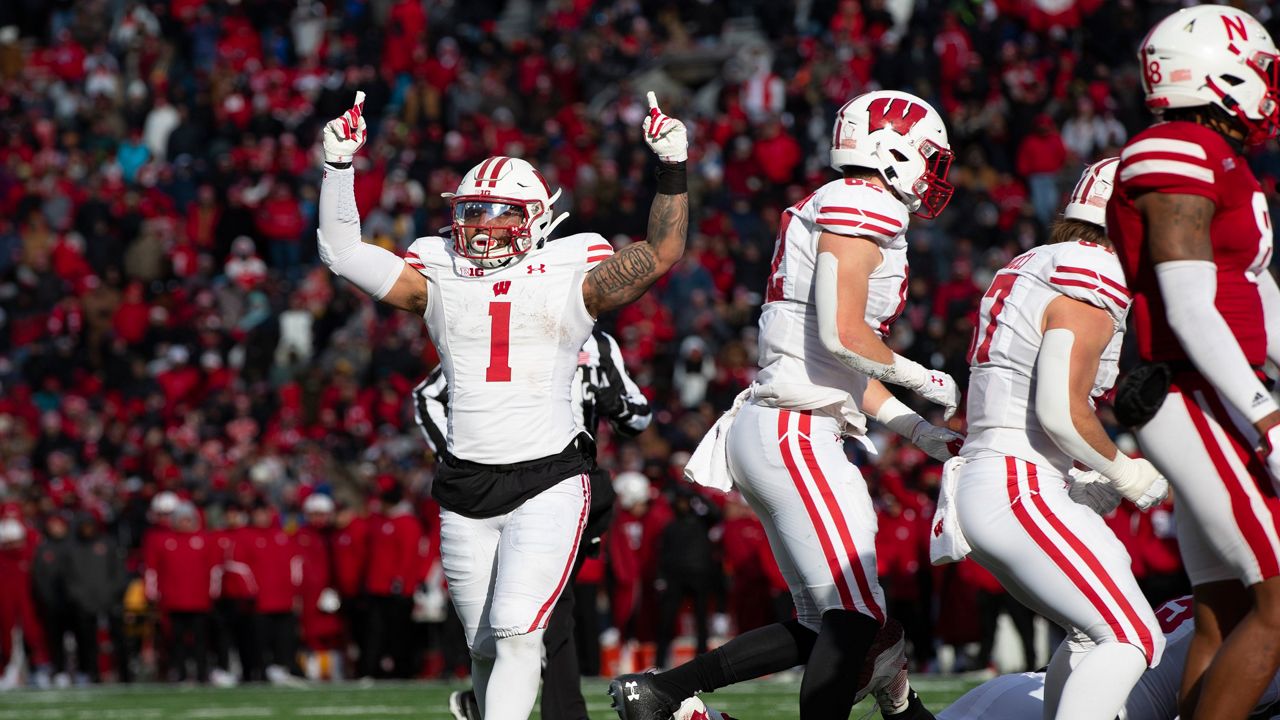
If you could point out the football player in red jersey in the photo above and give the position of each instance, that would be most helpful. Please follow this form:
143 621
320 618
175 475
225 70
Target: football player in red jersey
1189 223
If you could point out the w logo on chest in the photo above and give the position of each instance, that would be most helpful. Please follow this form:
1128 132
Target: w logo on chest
502 287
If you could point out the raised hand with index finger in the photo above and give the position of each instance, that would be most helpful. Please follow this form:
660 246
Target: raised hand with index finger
665 135
344 135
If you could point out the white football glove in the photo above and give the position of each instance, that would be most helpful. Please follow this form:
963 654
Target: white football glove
665 135
1138 480
1090 489
939 443
345 135
1269 451
940 388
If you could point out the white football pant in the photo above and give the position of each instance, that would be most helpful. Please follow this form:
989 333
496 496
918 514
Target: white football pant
791 467
1055 556
1228 517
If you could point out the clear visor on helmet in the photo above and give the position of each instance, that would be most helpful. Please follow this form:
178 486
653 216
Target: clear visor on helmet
483 212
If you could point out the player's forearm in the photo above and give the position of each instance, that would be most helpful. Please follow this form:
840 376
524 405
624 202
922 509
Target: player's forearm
1189 289
369 267
853 343
1069 420
631 271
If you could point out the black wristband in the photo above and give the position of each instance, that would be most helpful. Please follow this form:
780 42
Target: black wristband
338 165
673 178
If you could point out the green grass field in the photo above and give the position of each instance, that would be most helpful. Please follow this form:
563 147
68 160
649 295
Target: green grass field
761 700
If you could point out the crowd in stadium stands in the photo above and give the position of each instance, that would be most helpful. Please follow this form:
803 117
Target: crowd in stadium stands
206 445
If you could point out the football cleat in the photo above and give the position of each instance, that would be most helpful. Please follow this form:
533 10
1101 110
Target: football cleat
637 697
463 705
884 675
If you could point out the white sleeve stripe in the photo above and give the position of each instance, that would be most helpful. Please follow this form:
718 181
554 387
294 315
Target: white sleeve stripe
1165 145
1167 167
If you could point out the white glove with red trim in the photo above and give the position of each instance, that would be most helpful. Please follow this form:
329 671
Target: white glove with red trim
665 135
345 135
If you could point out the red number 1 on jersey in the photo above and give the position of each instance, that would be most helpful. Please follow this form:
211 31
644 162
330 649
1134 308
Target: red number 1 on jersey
499 369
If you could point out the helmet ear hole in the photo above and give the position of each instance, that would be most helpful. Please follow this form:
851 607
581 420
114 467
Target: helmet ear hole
898 156
1232 80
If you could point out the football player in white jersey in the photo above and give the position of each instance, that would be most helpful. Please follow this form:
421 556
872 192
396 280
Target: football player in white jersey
1047 342
1155 697
508 312
838 281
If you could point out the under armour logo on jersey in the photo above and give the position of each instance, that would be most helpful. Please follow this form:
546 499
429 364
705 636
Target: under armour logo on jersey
541 267
501 287
897 113
937 528
936 380
631 690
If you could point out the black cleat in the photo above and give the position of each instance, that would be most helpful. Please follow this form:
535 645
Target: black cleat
915 710
636 697
463 705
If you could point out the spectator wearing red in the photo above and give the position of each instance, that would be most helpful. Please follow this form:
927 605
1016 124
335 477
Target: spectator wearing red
395 567
741 548
281 223
1041 156
238 594
322 626
777 153
271 558
184 573
633 559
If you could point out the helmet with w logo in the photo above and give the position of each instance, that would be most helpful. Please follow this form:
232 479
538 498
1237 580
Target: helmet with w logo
1088 201
903 138
501 211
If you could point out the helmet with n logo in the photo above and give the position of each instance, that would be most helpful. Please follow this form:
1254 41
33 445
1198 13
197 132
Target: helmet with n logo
903 138
1214 55
505 203
1088 201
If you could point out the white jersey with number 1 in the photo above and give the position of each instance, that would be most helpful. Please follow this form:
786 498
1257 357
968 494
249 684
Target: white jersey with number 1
508 340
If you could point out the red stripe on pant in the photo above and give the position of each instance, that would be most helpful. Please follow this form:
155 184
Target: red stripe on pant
828 550
1250 525
1091 560
573 553
1047 546
833 507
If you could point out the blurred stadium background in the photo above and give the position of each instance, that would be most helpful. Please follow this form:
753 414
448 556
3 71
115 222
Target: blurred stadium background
165 326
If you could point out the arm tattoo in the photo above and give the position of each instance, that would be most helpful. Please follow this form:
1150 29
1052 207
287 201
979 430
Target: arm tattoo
628 274
1177 226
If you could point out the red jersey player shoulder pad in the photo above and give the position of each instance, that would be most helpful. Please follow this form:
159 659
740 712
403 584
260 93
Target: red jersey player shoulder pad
860 209
1176 157
1090 273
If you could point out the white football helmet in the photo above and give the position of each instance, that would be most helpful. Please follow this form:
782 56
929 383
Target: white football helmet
902 137
503 188
1214 55
1088 201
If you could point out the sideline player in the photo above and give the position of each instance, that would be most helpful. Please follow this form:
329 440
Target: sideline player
838 281
1155 697
602 391
1046 343
1190 225
508 312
